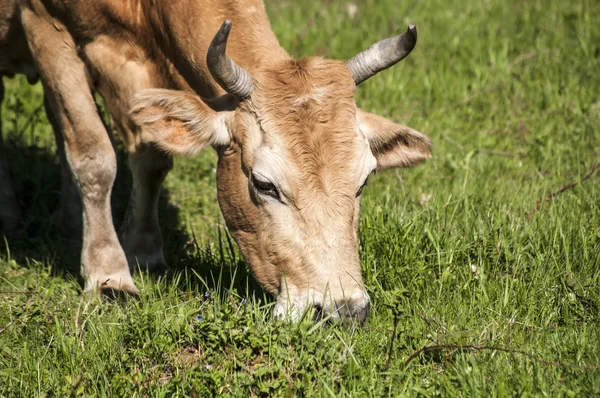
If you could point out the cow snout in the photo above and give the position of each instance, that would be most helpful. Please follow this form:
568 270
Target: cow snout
355 309
347 308
362 310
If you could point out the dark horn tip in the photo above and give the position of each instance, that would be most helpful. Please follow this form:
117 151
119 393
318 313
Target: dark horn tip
410 37
225 28
220 40
223 32
412 29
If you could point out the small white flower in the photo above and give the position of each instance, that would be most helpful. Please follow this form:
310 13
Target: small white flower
352 10
474 270
425 198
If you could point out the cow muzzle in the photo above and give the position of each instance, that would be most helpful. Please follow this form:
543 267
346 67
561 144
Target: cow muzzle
352 307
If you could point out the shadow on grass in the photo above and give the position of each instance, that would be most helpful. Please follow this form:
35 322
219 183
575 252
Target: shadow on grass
36 177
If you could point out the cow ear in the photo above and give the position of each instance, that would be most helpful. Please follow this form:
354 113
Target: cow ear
393 145
178 122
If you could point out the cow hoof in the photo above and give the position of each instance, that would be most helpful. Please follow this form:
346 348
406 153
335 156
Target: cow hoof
104 284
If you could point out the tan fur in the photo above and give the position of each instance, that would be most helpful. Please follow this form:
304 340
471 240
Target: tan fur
300 131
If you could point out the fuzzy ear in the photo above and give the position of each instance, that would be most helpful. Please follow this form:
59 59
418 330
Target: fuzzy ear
178 122
393 145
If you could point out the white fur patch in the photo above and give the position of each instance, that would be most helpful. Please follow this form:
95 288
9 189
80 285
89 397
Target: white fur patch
368 160
272 165
317 95
221 136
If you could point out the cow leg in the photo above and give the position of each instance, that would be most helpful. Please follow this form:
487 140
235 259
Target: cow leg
68 216
87 146
141 236
10 214
120 79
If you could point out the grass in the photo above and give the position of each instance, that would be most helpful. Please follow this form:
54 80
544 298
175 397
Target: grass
509 91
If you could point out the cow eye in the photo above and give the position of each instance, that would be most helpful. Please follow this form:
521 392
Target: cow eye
265 187
361 188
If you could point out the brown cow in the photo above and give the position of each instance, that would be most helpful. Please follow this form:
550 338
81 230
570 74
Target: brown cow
294 149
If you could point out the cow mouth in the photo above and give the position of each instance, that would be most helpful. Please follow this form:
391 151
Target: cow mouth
347 312
342 314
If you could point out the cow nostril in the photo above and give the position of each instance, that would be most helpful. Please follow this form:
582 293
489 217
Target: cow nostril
364 312
319 314
351 311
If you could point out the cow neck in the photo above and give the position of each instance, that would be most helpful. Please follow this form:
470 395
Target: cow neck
189 27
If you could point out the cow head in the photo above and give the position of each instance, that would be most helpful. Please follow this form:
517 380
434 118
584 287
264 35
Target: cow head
294 155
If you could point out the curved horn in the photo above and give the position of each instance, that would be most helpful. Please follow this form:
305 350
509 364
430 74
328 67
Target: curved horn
382 55
232 78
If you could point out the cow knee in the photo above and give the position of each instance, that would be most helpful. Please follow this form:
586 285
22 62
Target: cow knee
94 170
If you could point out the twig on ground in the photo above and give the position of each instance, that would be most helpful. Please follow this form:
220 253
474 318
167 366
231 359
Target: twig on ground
440 347
428 320
561 190
391 349
6 327
30 120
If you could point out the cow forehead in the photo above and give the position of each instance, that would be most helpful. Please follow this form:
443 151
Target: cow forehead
308 84
310 137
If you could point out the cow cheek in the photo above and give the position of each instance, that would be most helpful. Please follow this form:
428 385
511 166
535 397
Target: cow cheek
242 217
283 248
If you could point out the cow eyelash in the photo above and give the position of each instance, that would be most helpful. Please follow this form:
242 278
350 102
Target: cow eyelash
362 187
265 188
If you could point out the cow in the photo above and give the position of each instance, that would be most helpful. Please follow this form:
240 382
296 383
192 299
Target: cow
178 76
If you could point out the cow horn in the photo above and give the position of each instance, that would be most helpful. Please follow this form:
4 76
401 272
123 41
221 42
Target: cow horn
231 77
382 55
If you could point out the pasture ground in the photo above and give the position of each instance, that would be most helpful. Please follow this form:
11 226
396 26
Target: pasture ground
509 91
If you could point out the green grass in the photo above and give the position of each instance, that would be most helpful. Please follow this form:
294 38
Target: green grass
509 91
